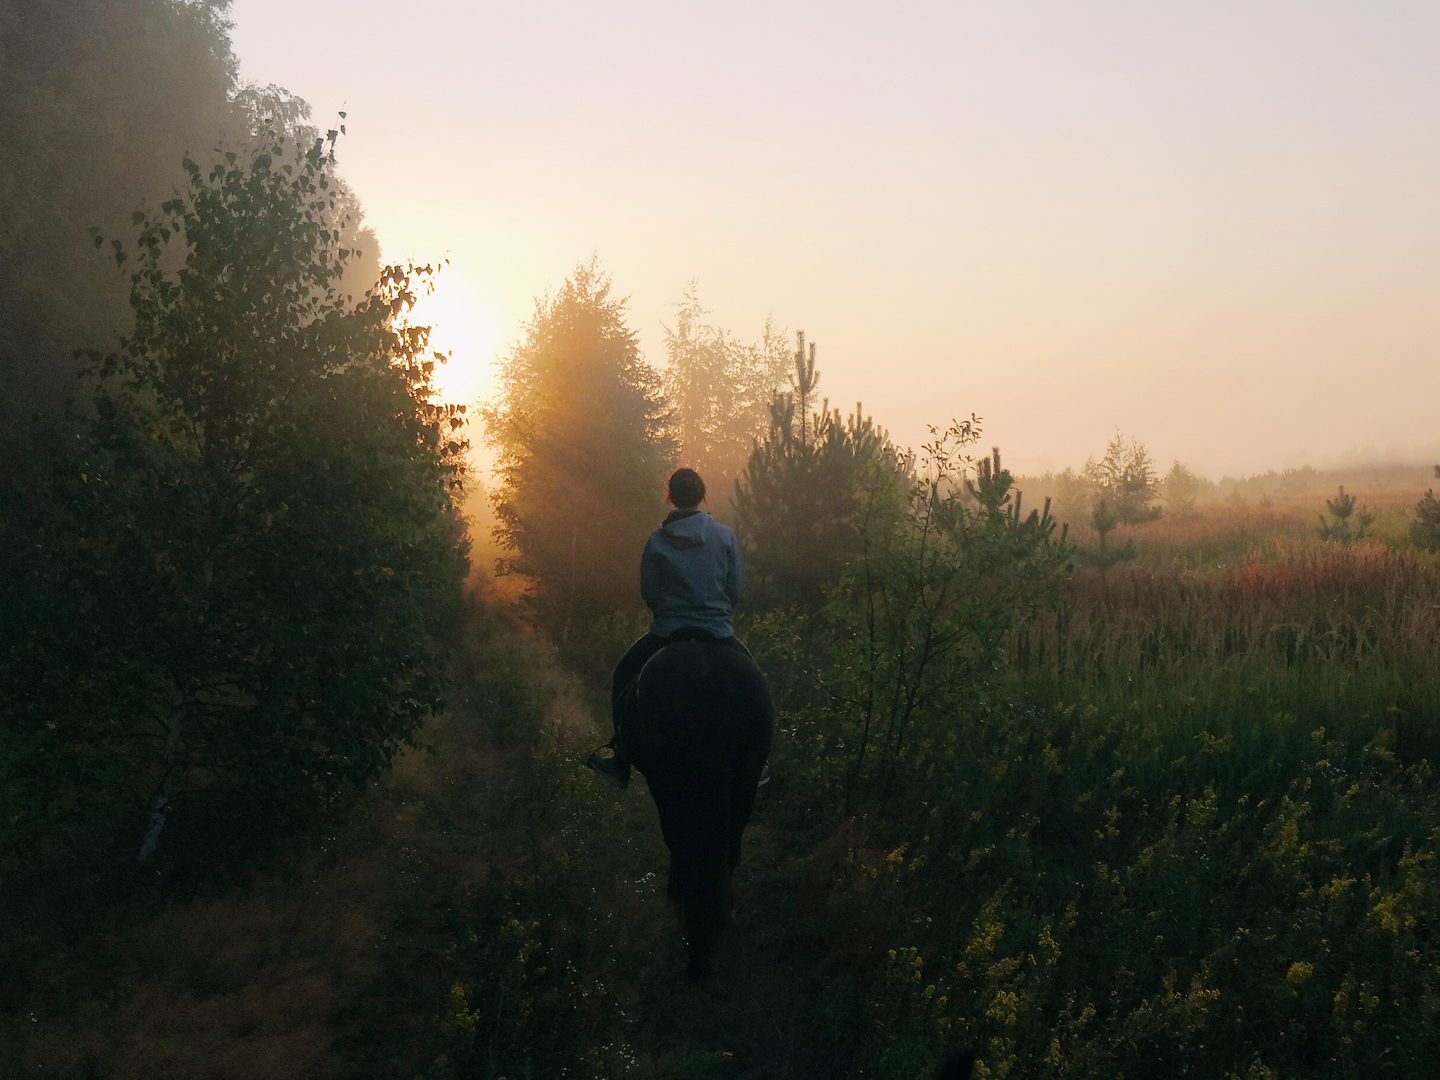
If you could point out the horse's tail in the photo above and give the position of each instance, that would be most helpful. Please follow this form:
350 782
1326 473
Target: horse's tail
700 865
704 888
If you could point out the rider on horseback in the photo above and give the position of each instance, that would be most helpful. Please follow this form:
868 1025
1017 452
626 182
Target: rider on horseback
691 577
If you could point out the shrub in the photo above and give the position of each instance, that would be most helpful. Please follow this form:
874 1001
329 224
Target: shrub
1425 529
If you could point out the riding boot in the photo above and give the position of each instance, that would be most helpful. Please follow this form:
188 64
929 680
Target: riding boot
613 769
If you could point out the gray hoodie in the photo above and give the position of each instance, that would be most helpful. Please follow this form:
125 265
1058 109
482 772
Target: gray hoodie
691 575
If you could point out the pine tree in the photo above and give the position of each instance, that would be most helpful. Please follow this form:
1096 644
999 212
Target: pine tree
796 504
1343 508
1103 519
1425 529
580 431
1181 488
1126 481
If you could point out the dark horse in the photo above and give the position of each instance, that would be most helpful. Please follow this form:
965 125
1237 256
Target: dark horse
702 736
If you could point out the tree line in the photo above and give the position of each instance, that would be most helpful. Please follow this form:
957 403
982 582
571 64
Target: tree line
883 581
99 102
228 502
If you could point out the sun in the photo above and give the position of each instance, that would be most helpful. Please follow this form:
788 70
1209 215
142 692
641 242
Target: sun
462 323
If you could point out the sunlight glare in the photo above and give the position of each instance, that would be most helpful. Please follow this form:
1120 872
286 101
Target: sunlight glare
462 323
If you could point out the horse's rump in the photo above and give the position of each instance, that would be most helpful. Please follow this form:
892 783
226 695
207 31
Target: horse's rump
704 716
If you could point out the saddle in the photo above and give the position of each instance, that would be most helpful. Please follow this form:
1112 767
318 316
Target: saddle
691 633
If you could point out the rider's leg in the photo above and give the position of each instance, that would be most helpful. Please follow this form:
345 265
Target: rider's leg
615 769
622 687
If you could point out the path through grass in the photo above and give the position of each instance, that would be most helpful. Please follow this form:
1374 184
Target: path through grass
490 910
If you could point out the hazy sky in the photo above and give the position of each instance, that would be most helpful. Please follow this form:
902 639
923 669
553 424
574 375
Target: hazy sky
1215 226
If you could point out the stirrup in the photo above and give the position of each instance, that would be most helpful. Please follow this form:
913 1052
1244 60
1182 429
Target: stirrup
615 773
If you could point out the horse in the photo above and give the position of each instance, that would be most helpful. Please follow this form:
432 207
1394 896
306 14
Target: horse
702 733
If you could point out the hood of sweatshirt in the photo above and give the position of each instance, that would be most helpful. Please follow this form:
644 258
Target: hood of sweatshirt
686 530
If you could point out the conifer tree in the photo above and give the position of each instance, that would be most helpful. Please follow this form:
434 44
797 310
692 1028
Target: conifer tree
796 504
1181 487
1103 519
1343 508
1425 529
1126 481
580 431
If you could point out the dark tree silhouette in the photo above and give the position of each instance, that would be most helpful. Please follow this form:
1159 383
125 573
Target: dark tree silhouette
797 501
231 582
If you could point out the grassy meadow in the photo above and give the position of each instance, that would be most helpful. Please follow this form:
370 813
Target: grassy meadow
1187 829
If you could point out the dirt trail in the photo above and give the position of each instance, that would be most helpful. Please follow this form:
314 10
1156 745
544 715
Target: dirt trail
389 949
740 1023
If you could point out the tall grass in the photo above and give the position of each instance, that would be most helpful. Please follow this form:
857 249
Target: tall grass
1188 831
1347 633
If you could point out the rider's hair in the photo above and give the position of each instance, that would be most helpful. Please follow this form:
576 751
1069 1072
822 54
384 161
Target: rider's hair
686 489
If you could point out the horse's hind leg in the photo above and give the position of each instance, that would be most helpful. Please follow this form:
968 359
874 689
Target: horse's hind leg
750 759
704 912
700 871
701 965
704 919
743 805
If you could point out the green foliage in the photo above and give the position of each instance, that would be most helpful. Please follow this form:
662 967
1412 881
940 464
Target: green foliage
719 390
917 625
1425 529
582 456
802 489
1103 519
1205 847
273 116
1125 479
1181 488
1067 921
234 578
1343 529
1195 863
1123 490
1171 860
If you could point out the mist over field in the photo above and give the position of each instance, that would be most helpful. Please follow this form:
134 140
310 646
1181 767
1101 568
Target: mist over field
1212 226
781 540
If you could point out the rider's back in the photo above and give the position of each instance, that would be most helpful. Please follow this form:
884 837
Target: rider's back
691 575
